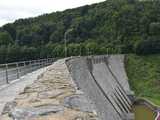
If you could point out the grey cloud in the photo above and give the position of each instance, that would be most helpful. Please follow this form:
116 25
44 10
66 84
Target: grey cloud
8 14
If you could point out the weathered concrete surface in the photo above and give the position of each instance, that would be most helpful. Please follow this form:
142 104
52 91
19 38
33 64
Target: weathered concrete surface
103 80
54 96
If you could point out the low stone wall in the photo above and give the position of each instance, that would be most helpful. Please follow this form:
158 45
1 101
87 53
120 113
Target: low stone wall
54 96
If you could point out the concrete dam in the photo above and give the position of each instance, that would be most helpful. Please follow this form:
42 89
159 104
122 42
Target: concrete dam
75 88
104 80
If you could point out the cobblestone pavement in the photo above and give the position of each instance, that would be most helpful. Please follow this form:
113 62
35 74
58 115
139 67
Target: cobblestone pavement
54 96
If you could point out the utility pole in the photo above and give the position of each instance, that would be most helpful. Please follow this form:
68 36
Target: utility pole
80 51
65 44
65 40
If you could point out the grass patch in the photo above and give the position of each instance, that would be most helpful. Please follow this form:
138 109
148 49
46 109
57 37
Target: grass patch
144 76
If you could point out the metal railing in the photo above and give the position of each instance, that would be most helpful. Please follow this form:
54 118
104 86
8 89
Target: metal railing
13 71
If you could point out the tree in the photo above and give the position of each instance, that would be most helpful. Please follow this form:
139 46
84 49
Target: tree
3 53
5 38
149 46
154 28
91 48
11 30
55 36
13 53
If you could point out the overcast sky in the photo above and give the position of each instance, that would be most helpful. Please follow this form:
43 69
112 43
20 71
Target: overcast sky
10 10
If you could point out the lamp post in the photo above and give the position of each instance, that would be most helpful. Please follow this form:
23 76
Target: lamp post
65 43
65 40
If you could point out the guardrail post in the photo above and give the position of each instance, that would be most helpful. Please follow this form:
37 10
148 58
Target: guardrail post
24 67
7 81
33 65
43 62
50 61
40 63
47 62
17 67
30 65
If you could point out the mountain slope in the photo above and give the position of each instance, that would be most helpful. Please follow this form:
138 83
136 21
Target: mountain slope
113 26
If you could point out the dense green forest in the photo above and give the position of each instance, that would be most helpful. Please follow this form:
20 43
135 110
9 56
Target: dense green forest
113 26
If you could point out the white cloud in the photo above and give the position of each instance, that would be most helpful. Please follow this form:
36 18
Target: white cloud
11 10
3 21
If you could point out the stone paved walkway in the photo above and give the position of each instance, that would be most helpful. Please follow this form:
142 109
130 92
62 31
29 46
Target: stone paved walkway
9 92
53 96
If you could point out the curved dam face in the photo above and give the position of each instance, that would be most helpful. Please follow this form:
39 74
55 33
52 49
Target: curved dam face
103 79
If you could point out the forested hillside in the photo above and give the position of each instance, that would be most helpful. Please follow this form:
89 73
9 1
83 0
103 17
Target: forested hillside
113 26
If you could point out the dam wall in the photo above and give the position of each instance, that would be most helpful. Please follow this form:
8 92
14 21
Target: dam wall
104 81
75 88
